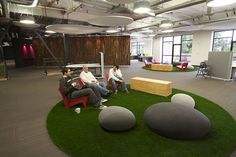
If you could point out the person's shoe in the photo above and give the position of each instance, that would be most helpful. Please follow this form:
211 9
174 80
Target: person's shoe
102 107
103 100
116 92
109 93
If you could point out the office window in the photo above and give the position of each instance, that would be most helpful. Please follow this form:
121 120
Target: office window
224 41
186 49
176 48
137 48
167 50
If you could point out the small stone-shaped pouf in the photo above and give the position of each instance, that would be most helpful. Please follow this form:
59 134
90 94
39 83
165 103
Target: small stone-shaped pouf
116 118
183 99
176 121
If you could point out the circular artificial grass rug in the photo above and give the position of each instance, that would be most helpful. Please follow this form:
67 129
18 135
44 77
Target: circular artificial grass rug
80 135
174 69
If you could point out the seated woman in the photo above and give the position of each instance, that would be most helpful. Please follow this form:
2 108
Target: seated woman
115 75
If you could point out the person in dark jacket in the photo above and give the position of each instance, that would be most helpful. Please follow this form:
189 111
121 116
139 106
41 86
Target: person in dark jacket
73 90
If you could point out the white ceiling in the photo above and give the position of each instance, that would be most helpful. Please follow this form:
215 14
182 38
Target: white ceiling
191 18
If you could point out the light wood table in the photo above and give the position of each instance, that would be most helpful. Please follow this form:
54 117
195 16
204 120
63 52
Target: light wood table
152 86
162 67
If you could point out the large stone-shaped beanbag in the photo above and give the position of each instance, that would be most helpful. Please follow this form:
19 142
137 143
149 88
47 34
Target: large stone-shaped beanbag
116 118
183 99
176 121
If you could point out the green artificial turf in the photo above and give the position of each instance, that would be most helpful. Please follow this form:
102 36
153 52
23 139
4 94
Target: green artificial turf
2 69
80 135
174 69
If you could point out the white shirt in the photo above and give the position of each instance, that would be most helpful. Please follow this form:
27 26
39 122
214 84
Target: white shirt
115 74
87 77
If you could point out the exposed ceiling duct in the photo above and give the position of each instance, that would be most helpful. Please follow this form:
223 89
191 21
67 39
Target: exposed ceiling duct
80 11
27 3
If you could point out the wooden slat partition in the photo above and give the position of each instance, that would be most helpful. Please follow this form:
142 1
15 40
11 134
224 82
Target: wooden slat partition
116 49
55 44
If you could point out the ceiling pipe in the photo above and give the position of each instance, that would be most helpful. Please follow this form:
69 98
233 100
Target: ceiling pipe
176 7
24 3
180 6
100 4
205 15
17 2
159 3
192 18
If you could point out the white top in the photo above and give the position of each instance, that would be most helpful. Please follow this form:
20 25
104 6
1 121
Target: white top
87 77
115 74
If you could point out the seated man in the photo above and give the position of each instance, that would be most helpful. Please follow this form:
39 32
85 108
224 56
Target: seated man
116 76
73 90
89 80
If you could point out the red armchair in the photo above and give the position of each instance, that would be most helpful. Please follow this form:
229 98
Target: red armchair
68 103
154 61
183 66
147 64
109 85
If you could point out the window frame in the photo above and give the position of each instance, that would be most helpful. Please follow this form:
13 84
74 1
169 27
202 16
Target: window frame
232 39
172 53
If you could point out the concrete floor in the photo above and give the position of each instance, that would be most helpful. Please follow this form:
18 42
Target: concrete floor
28 95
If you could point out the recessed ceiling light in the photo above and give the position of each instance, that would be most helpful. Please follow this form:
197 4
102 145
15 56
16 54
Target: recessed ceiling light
152 35
49 31
219 3
147 31
27 19
135 34
112 30
166 24
168 31
142 7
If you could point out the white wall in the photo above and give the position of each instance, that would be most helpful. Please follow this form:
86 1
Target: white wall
157 48
147 47
202 44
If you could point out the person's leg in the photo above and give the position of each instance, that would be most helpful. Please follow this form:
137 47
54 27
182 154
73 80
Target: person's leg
113 82
84 92
123 85
103 89
102 84
95 89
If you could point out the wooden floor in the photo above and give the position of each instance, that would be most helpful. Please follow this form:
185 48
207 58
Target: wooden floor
28 95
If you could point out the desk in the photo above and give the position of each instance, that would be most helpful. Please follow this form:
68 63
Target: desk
152 86
162 67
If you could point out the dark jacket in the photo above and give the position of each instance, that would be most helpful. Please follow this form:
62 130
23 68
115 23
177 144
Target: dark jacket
66 87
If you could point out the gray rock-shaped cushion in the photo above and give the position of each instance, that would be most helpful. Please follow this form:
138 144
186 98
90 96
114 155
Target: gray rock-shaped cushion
116 118
183 99
176 121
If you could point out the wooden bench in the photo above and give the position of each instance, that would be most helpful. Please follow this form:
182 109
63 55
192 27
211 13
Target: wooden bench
152 86
162 67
